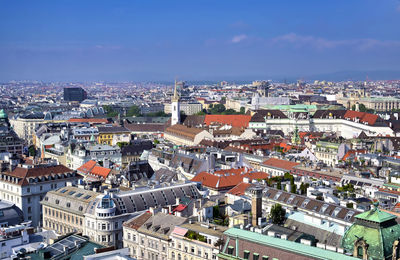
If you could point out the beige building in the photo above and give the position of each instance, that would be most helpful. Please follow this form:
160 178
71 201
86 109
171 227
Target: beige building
148 236
183 135
195 241
64 209
25 126
355 98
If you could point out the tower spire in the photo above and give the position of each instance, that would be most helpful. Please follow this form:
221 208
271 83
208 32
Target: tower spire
176 96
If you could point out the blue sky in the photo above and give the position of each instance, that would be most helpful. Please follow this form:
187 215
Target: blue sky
193 40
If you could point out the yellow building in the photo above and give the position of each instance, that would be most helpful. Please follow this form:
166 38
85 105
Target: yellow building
113 135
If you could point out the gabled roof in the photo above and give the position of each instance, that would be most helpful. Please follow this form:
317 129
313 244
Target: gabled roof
260 114
364 117
280 164
225 179
91 168
181 130
240 189
87 167
233 120
24 174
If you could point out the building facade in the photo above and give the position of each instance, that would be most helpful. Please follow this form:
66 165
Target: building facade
26 186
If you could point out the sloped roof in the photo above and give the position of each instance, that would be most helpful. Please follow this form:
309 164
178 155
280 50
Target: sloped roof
181 130
92 168
375 215
260 114
113 129
364 117
100 171
234 120
224 179
239 189
280 164
39 171
137 222
88 120
87 167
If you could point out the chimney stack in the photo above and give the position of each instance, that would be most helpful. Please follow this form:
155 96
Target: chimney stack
256 205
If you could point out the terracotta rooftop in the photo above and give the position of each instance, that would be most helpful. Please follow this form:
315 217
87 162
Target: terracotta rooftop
184 131
225 179
364 117
239 189
24 174
234 120
280 164
92 168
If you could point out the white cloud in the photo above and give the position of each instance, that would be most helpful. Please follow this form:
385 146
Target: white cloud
239 38
323 43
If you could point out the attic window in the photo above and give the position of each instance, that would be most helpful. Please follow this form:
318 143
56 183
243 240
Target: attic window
68 205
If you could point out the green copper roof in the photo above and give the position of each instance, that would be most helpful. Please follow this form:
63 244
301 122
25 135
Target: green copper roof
301 249
379 237
375 215
3 114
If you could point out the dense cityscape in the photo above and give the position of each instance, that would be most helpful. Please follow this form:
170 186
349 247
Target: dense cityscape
154 130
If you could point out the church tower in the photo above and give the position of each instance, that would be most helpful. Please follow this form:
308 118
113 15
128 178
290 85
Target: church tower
175 107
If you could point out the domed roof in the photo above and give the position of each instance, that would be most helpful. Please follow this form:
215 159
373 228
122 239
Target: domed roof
3 114
377 229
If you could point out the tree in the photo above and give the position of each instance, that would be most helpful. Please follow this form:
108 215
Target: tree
229 112
303 188
349 205
133 111
277 214
242 110
32 151
121 144
279 185
216 109
110 111
292 186
200 113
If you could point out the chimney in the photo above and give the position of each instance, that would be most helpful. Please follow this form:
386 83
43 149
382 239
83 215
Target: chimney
256 207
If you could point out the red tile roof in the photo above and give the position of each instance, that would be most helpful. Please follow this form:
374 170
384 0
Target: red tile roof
180 208
24 174
92 168
87 167
364 117
280 164
225 179
234 120
351 154
239 189
100 171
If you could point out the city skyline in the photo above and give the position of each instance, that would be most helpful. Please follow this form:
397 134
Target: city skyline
157 40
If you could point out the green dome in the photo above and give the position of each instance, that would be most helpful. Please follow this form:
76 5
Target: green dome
3 114
377 230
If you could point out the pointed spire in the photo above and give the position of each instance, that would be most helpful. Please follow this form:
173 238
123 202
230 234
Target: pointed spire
176 95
